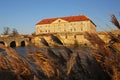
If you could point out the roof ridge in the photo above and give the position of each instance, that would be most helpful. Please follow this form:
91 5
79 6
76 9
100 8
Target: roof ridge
67 18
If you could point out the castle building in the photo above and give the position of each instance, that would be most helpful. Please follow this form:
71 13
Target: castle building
68 24
69 29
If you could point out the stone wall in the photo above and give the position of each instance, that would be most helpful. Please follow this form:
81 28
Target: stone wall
68 39
17 40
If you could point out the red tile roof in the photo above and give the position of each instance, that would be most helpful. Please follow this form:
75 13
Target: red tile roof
68 18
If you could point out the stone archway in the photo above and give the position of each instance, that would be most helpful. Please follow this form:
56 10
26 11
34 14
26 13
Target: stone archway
13 44
2 42
22 43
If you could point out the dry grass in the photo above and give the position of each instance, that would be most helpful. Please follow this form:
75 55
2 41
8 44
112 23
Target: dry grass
107 55
65 64
100 62
115 21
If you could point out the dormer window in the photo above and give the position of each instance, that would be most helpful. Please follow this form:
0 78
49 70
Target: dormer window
59 20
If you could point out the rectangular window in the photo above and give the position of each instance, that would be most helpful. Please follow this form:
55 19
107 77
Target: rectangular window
75 36
59 21
74 29
66 36
81 28
40 30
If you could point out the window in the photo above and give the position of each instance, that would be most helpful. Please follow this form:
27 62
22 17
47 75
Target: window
66 37
74 29
59 21
40 30
75 36
81 28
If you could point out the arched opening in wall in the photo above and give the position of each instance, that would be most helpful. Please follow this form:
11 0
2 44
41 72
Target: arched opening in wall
1 42
30 39
65 36
23 44
13 44
75 36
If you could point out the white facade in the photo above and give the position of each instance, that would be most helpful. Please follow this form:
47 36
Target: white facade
63 26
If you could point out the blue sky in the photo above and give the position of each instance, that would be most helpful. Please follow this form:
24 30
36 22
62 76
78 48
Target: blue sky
24 14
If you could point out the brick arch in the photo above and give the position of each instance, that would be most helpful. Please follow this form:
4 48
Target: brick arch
13 44
2 42
23 44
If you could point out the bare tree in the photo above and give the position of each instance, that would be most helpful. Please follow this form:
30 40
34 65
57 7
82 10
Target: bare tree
15 32
34 33
6 30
